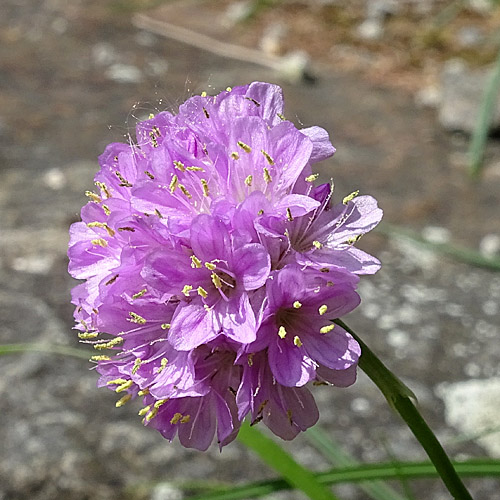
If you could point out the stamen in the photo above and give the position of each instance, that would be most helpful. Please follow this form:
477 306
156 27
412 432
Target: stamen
123 181
179 166
235 156
244 146
185 419
195 169
140 294
127 228
195 262
100 358
163 365
87 335
228 89
267 175
350 197
107 345
202 292
289 214
322 310
250 359
117 381
311 178
297 341
185 191
282 332
268 157
160 402
144 410
123 400
248 180
106 209
154 142
123 387
297 304
165 326
281 117
101 242
203 94
137 364
186 290
326 329
94 197
210 265
143 392
149 174
158 213
205 112
204 184
103 187
173 183
317 244
102 225
135 318
175 419
254 101
216 281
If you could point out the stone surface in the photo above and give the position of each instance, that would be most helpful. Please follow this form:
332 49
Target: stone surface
462 90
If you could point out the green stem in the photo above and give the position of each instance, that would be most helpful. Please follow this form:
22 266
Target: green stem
398 396
47 348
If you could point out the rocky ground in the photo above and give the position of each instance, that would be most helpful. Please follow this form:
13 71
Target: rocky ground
78 75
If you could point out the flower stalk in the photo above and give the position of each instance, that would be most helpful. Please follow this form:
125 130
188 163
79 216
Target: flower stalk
400 398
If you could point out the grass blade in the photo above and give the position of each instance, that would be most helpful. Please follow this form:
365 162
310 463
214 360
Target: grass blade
281 461
339 457
47 348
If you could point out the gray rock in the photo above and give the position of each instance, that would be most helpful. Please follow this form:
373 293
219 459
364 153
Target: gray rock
462 90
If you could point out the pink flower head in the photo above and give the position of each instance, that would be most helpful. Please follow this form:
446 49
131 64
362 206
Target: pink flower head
213 267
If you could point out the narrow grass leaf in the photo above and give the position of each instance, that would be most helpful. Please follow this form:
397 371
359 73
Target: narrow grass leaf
276 457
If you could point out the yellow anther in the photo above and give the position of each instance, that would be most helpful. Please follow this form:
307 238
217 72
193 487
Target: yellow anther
350 197
179 166
354 239
186 290
158 213
195 169
165 326
327 328
268 157
103 186
106 209
94 197
124 386
210 265
100 358
185 419
317 244
216 280
260 212
87 335
202 292
267 175
123 182
152 414
282 332
173 183
322 310
195 262
203 94
297 304
235 156
140 294
123 400
250 359
281 117
107 345
163 365
297 341
102 225
289 214
244 146
135 318
207 307
151 116
160 402
248 180
154 142
185 192
228 89
144 410
143 392
100 242
311 178
204 184
175 419
137 364
117 381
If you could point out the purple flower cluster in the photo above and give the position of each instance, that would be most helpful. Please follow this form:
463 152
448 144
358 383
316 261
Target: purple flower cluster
213 267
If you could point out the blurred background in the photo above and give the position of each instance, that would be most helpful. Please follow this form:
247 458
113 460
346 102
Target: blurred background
398 85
